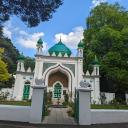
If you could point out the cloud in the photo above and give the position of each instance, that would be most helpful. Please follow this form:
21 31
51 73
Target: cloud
97 2
7 33
29 41
22 37
71 39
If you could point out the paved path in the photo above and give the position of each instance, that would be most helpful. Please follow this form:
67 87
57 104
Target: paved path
59 116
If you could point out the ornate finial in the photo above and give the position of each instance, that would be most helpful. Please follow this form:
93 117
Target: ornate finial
60 40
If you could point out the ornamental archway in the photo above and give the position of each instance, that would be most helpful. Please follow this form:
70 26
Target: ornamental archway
61 74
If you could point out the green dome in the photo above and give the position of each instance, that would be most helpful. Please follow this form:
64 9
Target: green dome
40 42
81 44
60 48
95 61
21 57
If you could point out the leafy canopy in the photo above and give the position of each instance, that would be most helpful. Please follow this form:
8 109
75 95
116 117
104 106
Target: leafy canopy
32 12
107 37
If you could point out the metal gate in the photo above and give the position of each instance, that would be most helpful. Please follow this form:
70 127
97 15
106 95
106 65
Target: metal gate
76 105
44 103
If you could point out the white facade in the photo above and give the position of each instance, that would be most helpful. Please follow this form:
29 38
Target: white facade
47 65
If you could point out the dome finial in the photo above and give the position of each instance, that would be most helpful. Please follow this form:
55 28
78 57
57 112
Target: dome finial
81 44
40 42
60 40
95 61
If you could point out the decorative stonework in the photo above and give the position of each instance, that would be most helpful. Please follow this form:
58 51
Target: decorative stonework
71 67
47 65
39 81
85 84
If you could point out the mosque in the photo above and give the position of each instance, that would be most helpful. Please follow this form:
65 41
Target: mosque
60 71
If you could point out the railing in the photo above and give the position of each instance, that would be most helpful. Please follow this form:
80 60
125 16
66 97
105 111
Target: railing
76 105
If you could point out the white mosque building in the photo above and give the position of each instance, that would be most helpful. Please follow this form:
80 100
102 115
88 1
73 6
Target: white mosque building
60 71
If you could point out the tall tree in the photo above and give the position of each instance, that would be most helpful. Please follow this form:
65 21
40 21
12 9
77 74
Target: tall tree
32 12
4 75
107 37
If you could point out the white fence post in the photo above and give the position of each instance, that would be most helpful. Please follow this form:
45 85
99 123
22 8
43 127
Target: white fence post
84 103
37 104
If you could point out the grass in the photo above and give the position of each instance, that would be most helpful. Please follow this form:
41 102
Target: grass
122 107
18 103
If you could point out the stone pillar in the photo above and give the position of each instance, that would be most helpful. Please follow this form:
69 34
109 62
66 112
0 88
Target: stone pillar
37 104
84 106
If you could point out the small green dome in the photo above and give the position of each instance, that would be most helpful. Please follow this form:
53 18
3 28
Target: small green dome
21 57
40 42
80 44
95 61
60 48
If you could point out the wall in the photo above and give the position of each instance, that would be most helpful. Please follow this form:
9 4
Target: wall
15 113
109 116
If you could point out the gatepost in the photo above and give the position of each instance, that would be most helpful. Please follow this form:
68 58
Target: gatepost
37 102
84 103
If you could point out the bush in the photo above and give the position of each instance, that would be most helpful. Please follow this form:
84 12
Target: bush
71 112
66 97
49 98
4 95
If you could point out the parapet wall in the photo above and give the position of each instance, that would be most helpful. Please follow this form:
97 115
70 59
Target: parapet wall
15 113
108 116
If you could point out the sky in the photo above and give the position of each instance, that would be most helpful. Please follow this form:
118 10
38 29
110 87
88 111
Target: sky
68 22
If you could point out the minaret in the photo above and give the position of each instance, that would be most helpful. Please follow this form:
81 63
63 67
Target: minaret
39 46
19 84
38 59
80 49
80 61
95 66
96 83
20 64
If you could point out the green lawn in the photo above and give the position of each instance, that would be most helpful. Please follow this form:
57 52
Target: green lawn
109 106
19 103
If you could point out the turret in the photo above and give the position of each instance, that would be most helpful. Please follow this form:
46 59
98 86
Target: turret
95 81
96 65
80 49
39 46
20 64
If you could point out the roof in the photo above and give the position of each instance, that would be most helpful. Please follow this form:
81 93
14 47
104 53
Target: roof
40 42
95 61
60 48
80 44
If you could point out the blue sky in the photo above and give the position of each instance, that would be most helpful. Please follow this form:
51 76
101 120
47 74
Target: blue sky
68 22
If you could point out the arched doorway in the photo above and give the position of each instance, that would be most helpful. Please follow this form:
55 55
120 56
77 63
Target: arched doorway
58 84
26 90
57 90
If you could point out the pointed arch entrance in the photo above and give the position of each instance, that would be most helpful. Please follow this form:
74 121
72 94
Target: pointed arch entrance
61 75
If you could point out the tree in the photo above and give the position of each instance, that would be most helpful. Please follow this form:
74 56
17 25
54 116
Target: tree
107 37
10 54
4 75
29 62
32 12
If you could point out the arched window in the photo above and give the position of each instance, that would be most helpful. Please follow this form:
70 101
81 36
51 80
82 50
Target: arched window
26 90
